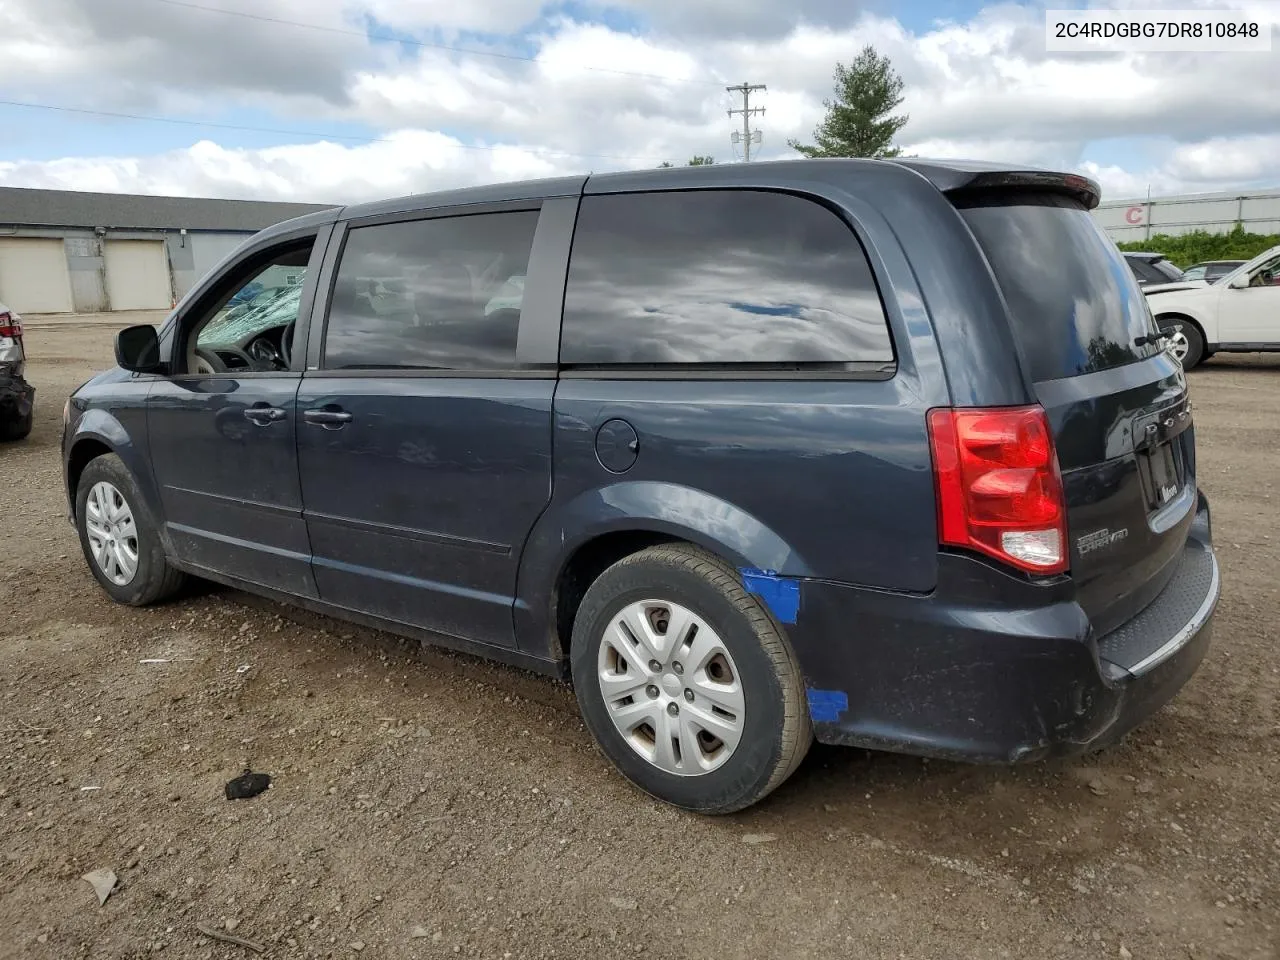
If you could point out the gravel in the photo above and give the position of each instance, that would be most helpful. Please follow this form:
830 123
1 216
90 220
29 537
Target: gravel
470 798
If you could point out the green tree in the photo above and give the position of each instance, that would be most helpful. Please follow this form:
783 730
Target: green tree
697 160
860 120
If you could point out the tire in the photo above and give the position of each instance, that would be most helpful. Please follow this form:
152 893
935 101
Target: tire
18 429
110 483
771 721
1184 335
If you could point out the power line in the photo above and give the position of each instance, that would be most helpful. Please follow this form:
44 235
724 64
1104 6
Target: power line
299 133
747 111
189 123
391 38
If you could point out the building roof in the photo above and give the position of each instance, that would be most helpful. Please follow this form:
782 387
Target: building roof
21 206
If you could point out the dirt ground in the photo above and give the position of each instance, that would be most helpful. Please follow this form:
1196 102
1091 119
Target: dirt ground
431 805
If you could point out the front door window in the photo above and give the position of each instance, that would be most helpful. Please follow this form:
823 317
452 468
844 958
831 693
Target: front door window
250 328
1268 275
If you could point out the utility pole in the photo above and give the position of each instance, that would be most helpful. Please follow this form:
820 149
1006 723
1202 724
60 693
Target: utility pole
747 111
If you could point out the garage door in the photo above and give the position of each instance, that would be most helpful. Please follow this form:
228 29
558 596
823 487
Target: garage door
33 275
137 275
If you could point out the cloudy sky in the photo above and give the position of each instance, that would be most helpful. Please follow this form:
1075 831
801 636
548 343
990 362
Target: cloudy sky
359 99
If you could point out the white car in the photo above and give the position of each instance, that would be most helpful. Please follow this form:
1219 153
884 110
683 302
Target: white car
1238 314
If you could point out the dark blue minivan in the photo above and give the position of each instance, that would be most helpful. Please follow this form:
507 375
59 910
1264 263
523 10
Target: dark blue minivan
881 453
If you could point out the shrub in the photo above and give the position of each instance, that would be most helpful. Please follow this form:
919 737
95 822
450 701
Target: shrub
1196 247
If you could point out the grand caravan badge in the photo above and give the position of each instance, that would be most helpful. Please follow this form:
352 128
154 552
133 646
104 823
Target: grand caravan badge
1099 539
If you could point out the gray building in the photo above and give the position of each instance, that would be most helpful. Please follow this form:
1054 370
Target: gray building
64 251
1256 211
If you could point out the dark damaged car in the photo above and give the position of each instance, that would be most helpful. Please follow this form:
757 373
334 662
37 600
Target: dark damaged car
17 396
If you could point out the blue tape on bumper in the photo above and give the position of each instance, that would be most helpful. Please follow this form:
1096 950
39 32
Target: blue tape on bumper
825 706
780 594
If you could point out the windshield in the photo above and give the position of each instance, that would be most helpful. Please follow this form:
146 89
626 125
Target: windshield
273 308
1216 271
1075 305
1266 274
1247 269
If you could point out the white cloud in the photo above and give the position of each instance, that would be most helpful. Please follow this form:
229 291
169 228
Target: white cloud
1053 154
1222 160
1120 184
741 18
985 88
575 50
1204 167
494 16
410 161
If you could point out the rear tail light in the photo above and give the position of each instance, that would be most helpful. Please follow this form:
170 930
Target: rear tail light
10 326
998 485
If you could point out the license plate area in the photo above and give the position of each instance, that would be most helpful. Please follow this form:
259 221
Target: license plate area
1163 473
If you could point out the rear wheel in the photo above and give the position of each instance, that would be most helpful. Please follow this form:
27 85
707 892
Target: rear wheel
118 536
1184 340
686 681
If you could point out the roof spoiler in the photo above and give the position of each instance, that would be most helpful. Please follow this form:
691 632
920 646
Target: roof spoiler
1077 187
960 177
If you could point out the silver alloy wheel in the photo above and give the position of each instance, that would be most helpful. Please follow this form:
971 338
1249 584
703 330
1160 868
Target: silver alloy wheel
1177 341
113 535
671 688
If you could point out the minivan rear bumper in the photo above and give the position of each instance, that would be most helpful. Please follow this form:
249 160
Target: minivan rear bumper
989 668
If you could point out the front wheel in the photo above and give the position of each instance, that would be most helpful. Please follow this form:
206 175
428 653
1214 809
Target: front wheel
1184 340
119 539
687 683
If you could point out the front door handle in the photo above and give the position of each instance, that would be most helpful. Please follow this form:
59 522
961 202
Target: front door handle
331 418
262 415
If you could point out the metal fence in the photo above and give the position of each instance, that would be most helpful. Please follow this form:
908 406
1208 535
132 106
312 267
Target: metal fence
1127 220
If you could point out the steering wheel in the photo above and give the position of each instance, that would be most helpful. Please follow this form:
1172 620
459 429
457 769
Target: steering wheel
286 345
208 362
265 352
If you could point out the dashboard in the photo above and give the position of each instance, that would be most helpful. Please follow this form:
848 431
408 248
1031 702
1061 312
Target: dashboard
260 352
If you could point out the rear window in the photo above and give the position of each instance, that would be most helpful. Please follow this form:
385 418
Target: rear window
1143 270
1075 305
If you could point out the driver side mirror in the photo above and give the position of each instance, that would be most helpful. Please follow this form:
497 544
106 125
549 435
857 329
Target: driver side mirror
1239 283
138 349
